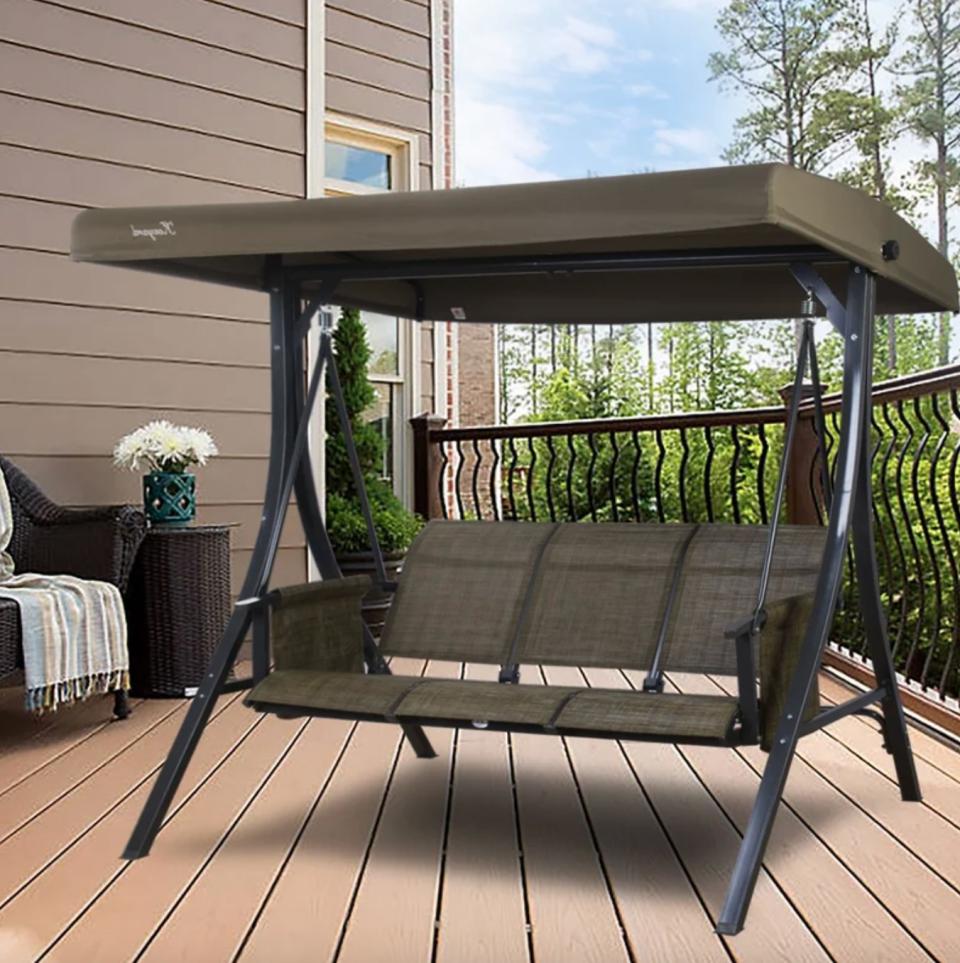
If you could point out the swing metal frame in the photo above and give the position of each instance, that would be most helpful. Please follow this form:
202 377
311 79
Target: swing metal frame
850 517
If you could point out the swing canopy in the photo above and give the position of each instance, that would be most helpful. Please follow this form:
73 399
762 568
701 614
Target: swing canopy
754 602
712 236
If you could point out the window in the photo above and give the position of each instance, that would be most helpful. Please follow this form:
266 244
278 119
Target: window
358 165
364 158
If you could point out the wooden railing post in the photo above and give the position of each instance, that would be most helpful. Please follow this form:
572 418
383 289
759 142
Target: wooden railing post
426 466
801 495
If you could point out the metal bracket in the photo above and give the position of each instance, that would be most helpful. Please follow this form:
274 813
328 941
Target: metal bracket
810 280
509 675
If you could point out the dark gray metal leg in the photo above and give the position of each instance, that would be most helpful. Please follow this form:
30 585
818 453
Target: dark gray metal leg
161 795
121 704
895 734
322 551
856 395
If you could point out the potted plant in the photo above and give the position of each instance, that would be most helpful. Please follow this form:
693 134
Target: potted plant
395 525
169 490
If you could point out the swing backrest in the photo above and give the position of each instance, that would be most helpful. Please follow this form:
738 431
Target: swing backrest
589 594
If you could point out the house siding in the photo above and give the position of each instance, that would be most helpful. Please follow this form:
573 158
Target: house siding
127 102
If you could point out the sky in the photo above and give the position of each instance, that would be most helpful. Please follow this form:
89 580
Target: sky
565 88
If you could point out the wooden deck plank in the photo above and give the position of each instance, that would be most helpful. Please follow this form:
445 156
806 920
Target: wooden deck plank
46 836
933 839
572 915
22 732
941 790
482 916
312 897
708 845
396 902
136 903
931 750
663 918
212 919
47 784
849 920
924 903
58 896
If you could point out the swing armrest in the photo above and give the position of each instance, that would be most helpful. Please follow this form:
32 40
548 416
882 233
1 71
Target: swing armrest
319 625
780 642
781 629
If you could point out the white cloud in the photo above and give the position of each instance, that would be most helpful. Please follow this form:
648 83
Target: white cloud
647 90
668 141
496 144
509 55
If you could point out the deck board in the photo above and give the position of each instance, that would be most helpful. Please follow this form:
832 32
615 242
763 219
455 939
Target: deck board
327 840
482 879
395 904
847 918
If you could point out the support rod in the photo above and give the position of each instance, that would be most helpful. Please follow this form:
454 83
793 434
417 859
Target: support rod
856 396
850 707
258 572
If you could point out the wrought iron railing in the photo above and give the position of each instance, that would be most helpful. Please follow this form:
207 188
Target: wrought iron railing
722 466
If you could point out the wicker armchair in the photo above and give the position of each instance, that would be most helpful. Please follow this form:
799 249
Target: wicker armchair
96 543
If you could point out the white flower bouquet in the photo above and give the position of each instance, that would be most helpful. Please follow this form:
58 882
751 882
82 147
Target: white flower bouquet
161 446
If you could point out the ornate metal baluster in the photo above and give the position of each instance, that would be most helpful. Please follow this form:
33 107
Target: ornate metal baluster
635 476
734 470
550 463
613 476
952 487
591 441
685 448
762 475
530 469
573 457
442 479
475 479
510 472
894 527
707 470
887 577
456 480
945 536
914 547
658 475
494 479
934 566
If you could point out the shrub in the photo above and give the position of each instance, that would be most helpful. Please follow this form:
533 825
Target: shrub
396 526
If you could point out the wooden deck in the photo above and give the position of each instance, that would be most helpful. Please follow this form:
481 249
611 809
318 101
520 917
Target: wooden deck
325 840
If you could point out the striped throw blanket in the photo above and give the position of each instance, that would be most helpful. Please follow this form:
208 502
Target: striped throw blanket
74 630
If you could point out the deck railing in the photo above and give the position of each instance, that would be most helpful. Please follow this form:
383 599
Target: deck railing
722 466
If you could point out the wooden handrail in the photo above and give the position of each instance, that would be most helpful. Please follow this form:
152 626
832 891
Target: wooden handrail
543 429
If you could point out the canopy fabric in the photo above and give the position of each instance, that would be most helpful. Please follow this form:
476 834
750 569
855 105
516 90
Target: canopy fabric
757 208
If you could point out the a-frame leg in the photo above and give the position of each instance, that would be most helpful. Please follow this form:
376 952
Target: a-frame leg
261 562
858 337
895 734
322 551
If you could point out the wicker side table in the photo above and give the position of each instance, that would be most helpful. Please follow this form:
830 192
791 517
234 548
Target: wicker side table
179 606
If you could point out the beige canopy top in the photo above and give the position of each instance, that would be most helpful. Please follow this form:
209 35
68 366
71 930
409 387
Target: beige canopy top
718 243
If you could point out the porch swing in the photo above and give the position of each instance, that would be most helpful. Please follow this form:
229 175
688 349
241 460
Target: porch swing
755 602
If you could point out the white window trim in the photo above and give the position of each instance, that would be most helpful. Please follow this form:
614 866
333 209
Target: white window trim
404 149
403 146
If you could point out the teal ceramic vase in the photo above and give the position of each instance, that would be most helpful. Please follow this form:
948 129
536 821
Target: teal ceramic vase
169 497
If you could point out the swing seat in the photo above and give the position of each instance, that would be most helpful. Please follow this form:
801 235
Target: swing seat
562 594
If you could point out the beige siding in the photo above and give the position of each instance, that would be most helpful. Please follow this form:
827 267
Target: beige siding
126 102
134 102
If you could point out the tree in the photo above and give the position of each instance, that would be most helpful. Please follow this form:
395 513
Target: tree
783 55
346 526
930 96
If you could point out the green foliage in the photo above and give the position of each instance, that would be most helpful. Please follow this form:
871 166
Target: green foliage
396 527
783 55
